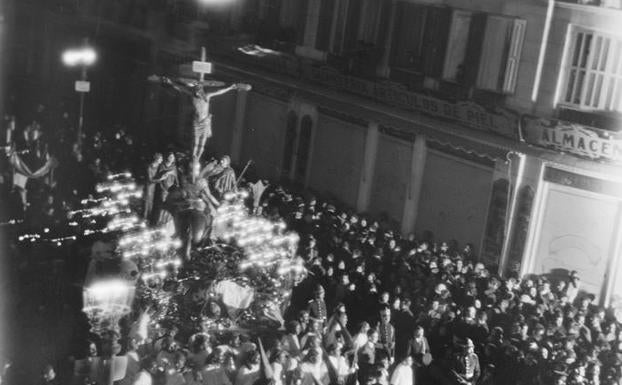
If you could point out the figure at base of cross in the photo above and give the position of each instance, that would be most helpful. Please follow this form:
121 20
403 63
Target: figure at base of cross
202 121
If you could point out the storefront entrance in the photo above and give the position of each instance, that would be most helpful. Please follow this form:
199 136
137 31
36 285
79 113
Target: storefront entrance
576 227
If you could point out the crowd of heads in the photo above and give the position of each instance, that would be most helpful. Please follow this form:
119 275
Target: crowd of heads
79 163
538 329
376 308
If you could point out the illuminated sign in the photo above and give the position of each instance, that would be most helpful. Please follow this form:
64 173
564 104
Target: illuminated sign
573 138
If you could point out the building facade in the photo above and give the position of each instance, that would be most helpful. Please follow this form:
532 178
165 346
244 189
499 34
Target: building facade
491 122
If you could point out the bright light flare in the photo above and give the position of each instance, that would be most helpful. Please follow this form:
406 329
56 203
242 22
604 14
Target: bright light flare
108 298
80 56
104 289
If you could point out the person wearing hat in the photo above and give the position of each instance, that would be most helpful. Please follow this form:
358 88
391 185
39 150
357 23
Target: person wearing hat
465 369
386 332
419 349
317 306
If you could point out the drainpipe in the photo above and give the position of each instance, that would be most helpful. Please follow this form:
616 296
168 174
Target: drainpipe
509 228
542 54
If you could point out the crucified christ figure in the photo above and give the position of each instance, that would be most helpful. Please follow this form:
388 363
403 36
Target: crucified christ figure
202 122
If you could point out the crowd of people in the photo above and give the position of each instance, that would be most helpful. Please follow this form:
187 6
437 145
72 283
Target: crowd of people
376 307
58 172
76 166
379 295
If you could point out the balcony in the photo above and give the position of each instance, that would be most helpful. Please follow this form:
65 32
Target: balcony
617 4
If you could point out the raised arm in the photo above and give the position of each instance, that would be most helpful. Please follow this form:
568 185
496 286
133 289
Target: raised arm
221 91
179 86
175 84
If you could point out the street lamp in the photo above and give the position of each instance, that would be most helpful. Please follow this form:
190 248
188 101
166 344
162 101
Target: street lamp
83 57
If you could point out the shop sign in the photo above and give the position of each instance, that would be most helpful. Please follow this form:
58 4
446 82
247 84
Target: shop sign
573 138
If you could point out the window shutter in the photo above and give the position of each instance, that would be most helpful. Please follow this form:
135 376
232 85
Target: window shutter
408 36
474 49
262 9
287 13
457 45
352 26
516 47
302 20
435 40
340 14
494 53
274 12
370 13
384 14
327 7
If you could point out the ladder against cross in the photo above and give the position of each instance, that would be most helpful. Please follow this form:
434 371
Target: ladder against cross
202 66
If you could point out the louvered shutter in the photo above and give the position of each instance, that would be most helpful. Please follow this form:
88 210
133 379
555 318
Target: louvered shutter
494 53
474 48
302 21
327 7
352 26
457 45
408 36
515 49
435 38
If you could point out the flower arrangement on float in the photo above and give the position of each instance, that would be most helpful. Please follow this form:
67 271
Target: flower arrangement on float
242 280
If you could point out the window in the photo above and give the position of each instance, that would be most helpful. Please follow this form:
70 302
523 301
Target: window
269 10
593 71
457 45
420 39
408 36
368 27
501 50
288 13
345 27
338 26
311 21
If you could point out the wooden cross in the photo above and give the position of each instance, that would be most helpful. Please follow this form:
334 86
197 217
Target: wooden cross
202 67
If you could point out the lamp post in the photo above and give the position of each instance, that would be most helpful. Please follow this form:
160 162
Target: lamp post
83 57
